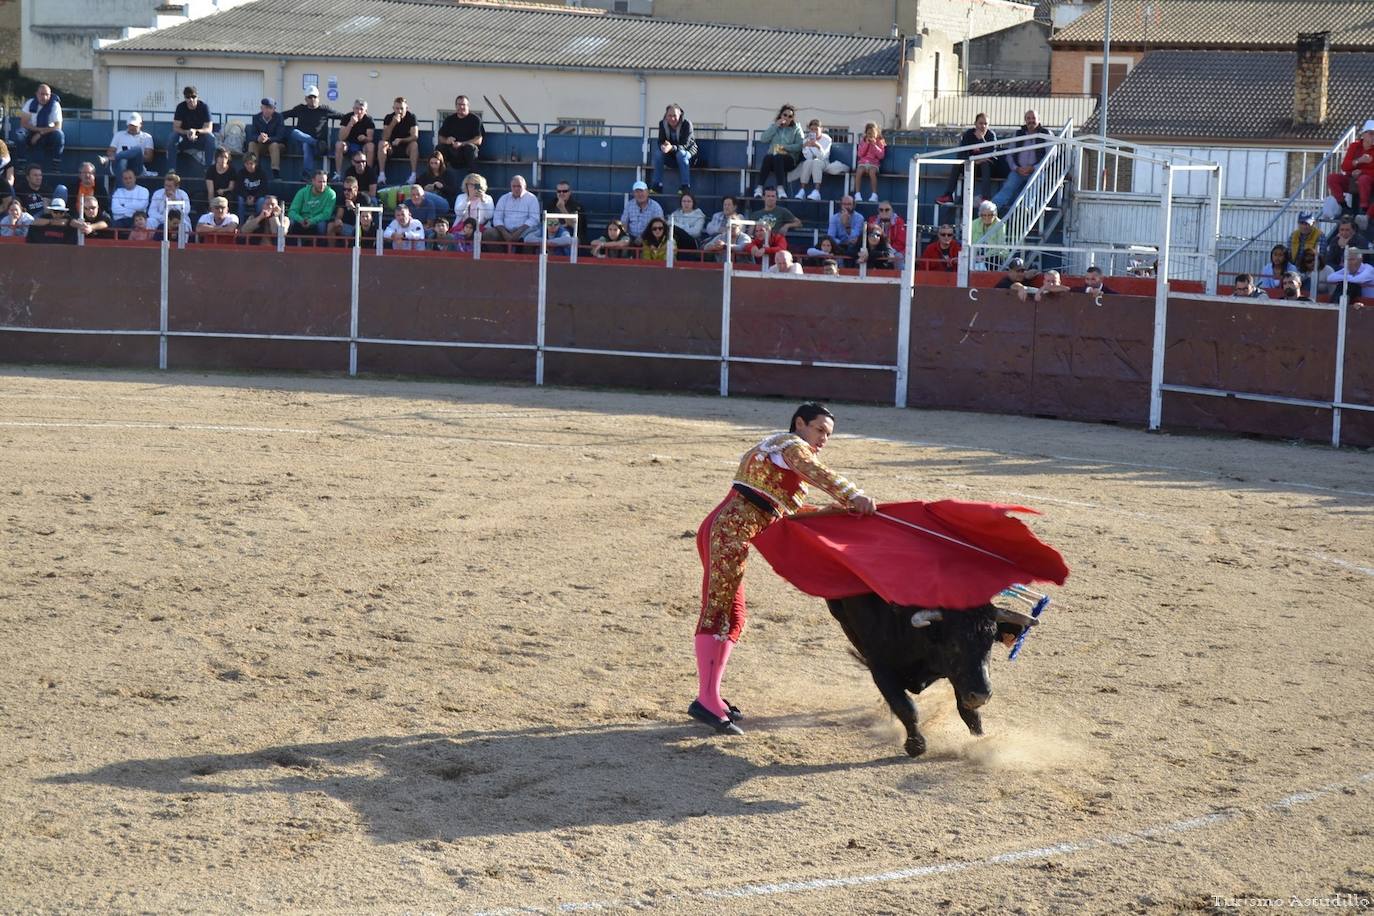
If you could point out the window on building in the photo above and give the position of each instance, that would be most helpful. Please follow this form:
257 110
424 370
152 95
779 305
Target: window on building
587 127
1115 75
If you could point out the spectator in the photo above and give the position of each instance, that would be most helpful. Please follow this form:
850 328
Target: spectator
990 232
766 243
1354 186
783 138
312 207
312 127
461 135
85 184
219 221
1344 237
252 185
821 252
16 221
267 133
729 209
872 149
157 206
1245 288
128 199
654 244
783 264
1021 162
639 210
941 254
1291 287
345 221
894 228
367 228
564 202
191 126
426 207
221 180
1355 280
1095 285
53 227
846 229
366 176
130 148
688 222
1307 266
404 231
1278 265
981 137
94 223
401 134
34 193
6 172
1306 237
356 135
438 178
731 242
674 139
830 268
476 202
439 238
815 157
1017 277
516 215
465 236
615 243
785 219
140 232
559 239
1050 285
269 221
878 253
175 227
40 126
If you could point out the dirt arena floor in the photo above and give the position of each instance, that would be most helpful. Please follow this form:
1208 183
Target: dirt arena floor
298 645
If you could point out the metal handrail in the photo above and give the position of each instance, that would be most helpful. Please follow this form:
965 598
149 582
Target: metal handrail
1046 181
1321 168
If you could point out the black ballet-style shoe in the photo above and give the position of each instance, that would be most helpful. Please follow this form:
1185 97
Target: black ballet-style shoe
706 717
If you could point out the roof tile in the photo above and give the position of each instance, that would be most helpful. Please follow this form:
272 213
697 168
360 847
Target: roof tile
1254 24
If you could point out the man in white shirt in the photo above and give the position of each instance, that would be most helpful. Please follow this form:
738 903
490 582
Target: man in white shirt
1355 279
40 125
516 215
131 148
157 207
127 200
404 231
219 221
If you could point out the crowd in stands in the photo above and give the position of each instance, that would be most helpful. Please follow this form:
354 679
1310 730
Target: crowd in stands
435 209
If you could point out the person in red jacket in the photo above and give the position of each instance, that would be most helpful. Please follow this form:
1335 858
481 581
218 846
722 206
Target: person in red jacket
1357 172
767 242
941 254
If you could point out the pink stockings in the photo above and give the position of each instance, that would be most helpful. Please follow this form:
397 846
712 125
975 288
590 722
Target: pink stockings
712 655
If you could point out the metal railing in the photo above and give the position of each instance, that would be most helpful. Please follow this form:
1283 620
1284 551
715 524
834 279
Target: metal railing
1044 183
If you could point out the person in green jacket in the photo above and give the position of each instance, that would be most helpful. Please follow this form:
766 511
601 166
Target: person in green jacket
991 231
313 206
783 139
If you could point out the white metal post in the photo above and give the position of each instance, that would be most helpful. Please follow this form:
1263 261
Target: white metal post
353 290
727 278
904 290
163 309
1339 395
543 294
1166 220
672 240
966 222
1211 229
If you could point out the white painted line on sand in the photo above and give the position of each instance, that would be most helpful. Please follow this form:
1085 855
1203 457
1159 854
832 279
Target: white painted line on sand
200 427
1011 857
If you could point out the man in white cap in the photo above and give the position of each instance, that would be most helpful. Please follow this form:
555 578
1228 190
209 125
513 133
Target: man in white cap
639 210
130 148
1354 186
312 127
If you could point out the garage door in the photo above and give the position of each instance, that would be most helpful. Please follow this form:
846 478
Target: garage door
158 89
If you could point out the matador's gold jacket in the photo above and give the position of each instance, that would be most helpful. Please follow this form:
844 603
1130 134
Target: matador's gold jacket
780 467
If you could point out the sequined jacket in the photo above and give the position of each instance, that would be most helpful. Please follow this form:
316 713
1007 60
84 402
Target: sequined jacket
780 467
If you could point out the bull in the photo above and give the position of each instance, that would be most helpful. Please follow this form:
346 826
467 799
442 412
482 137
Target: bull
907 649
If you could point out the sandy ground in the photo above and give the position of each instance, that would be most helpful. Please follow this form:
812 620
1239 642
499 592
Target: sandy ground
319 645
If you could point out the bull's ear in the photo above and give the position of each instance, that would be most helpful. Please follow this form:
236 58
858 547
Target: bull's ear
925 618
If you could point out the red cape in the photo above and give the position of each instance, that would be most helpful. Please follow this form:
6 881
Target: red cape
838 556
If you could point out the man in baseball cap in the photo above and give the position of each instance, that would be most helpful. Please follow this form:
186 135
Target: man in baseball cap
267 133
131 148
1307 235
639 210
312 127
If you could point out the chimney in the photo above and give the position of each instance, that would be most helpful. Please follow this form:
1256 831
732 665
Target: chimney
1309 85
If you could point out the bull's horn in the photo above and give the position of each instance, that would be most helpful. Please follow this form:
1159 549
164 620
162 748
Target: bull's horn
1015 617
925 618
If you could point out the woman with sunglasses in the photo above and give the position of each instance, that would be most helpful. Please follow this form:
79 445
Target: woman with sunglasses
783 139
438 178
475 202
655 243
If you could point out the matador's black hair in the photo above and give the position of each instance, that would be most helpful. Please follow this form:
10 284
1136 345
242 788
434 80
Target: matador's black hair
808 412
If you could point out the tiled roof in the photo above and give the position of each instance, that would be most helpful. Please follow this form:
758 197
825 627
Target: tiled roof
1232 96
488 35
1253 24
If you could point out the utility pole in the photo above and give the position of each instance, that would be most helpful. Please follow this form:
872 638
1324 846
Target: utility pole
1106 71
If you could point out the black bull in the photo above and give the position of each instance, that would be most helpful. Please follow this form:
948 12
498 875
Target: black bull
908 649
